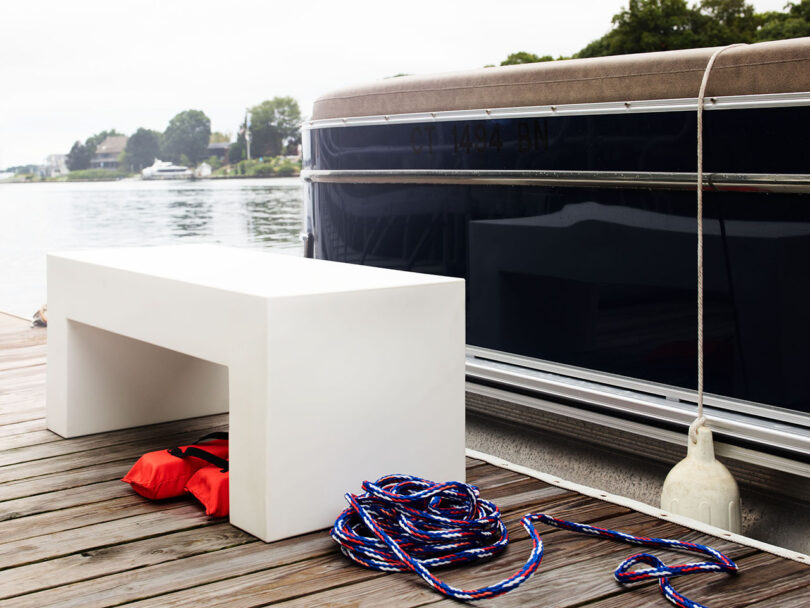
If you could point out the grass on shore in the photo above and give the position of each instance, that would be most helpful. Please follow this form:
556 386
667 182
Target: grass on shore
97 174
278 166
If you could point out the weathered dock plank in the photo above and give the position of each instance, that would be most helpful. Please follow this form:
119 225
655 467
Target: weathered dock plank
173 518
64 480
86 566
334 574
763 579
26 439
130 451
182 574
73 535
59 447
799 598
21 428
268 586
28 414
63 499
19 528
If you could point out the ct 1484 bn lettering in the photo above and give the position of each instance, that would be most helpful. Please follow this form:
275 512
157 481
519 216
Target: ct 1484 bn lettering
531 135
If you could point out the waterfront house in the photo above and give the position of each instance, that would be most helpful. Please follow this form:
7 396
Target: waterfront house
108 151
218 149
55 165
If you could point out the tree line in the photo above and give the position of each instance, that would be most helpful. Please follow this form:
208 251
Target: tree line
665 25
274 128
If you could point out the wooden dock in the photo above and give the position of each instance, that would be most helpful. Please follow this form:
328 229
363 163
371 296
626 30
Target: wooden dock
72 534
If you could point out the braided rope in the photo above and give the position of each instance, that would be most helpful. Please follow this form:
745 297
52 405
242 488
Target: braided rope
700 420
403 523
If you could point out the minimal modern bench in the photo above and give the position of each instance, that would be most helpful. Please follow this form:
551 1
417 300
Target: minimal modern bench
332 373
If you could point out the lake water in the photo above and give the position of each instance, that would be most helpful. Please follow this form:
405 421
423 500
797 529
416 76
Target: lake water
43 217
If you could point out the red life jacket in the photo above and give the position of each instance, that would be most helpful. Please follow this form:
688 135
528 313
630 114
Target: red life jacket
209 485
164 473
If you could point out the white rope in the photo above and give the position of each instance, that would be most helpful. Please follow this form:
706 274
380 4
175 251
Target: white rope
701 420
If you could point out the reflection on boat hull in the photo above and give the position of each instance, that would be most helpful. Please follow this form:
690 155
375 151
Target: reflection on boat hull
574 224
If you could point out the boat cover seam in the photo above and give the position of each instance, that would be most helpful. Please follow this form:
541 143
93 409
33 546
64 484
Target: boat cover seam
555 81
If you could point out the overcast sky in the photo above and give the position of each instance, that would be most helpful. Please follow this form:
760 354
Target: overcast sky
71 69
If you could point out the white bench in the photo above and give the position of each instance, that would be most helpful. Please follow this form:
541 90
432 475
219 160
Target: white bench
334 373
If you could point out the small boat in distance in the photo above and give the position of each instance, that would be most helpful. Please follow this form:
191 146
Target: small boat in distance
162 169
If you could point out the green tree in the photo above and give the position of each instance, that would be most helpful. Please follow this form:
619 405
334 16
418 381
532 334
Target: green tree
219 138
188 133
795 23
93 141
79 157
142 149
661 25
647 25
721 22
81 154
275 125
524 57
238 150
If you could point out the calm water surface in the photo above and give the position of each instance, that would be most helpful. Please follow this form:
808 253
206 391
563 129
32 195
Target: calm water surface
43 217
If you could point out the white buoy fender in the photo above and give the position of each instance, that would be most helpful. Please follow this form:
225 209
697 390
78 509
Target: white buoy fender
702 488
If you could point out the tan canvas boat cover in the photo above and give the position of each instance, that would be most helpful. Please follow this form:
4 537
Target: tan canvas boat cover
768 67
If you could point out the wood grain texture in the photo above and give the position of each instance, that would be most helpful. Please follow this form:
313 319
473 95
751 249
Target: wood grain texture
183 575
97 563
19 528
73 535
110 532
52 445
61 481
64 499
59 461
763 578
14 430
799 598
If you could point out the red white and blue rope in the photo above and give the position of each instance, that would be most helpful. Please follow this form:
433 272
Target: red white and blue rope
404 523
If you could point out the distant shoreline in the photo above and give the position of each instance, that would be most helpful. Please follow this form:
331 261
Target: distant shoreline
139 179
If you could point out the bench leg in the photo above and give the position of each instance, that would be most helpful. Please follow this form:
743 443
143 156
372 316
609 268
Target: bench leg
249 450
351 387
100 381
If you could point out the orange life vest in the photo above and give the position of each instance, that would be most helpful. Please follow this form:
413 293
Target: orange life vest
165 473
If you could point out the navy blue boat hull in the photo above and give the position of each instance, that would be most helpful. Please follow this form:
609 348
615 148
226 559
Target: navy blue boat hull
599 278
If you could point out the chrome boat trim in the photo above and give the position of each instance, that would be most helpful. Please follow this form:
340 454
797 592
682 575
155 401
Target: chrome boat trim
608 401
743 454
689 104
747 182
666 391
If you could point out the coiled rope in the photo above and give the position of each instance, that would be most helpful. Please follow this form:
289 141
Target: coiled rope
401 523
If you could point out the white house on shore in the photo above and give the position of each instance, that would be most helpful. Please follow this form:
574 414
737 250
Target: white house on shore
55 165
203 170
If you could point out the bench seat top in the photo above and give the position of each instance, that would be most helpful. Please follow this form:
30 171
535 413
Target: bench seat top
247 271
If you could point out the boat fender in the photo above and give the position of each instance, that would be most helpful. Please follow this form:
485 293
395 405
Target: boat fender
702 488
164 473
